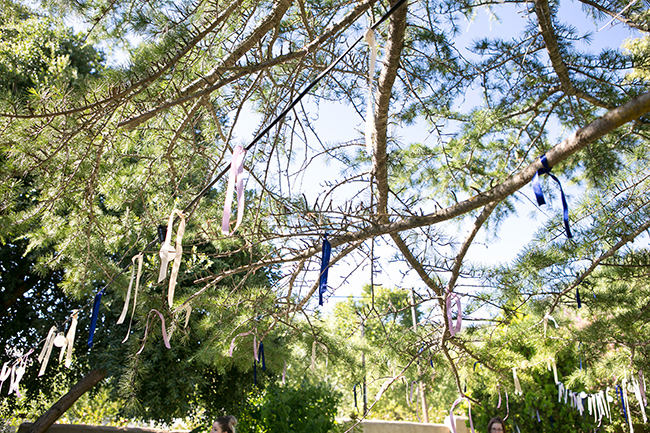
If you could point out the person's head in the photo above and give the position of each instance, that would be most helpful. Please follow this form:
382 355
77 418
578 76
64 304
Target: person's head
496 425
224 424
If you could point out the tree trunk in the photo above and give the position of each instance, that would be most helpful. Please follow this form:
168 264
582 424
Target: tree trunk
54 413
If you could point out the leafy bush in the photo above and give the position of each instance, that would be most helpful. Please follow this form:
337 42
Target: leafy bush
308 408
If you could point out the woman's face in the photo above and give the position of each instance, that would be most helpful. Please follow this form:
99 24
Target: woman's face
497 427
216 428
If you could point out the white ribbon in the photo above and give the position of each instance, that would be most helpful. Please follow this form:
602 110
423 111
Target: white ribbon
627 404
560 392
69 338
125 309
313 354
516 380
44 356
370 110
454 329
637 393
4 374
236 179
17 372
168 254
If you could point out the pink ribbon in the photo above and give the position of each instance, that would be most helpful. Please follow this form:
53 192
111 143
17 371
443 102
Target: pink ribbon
451 414
232 343
284 372
146 330
236 179
451 296
499 403
642 388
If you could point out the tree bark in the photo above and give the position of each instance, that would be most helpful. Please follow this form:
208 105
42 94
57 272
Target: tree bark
63 404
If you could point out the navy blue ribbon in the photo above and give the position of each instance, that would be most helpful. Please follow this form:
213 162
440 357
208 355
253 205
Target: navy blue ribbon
93 319
618 388
540 195
324 268
578 298
162 233
261 355
354 389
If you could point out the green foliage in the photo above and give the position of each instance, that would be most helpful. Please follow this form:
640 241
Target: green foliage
305 408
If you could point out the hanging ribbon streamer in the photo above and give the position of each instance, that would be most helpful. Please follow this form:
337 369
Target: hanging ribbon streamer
540 195
627 403
146 331
4 374
499 391
451 414
507 405
169 253
451 297
262 359
354 391
546 319
637 393
44 356
618 388
93 318
235 181
324 269
139 258
284 372
578 297
17 373
232 343
516 380
642 388
69 338
370 111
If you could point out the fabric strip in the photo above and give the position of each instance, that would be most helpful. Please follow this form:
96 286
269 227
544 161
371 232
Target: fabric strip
235 181
324 269
93 318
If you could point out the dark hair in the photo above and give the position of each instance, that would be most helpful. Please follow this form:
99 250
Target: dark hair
227 423
495 420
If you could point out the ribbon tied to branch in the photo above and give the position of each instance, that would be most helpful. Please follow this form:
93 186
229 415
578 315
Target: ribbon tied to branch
540 195
324 269
169 253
